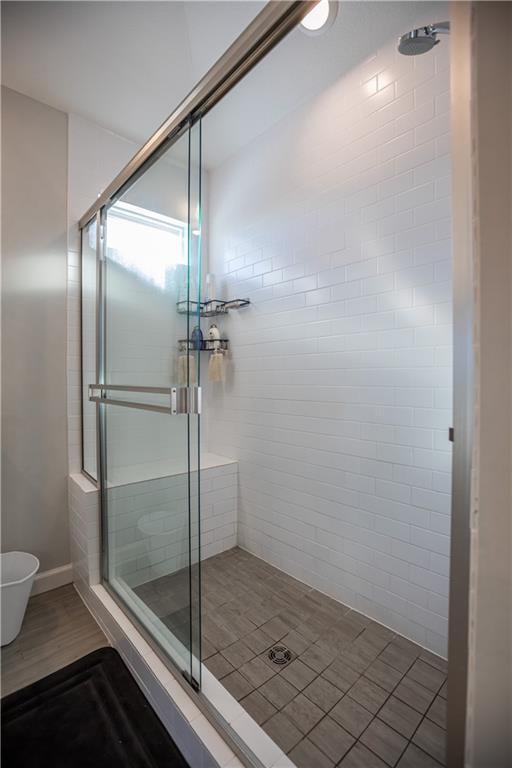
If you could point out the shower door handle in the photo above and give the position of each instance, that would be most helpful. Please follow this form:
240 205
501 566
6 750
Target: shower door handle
181 400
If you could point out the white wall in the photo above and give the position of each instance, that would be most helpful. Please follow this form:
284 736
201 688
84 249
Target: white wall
34 450
336 224
489 737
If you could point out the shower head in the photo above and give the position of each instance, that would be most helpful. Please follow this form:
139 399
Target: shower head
422 39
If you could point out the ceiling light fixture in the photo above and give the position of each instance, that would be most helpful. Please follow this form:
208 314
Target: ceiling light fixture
320 18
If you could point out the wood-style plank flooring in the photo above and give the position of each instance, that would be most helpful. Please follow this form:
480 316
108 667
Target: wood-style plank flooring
57 630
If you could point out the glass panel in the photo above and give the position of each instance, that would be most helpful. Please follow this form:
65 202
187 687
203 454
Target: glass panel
89 281
150 272
194 283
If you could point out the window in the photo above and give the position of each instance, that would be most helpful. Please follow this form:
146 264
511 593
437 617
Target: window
147 243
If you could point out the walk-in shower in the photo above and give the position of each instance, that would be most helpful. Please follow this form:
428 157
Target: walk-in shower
272 445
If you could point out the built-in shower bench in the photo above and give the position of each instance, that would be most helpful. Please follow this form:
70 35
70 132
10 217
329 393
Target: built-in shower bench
149 518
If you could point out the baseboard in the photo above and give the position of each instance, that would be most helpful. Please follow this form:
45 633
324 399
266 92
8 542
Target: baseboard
52 579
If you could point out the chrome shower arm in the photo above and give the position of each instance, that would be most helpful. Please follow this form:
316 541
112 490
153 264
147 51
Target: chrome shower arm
440 27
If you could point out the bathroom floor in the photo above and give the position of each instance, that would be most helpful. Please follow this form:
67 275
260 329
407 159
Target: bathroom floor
345 691
57 630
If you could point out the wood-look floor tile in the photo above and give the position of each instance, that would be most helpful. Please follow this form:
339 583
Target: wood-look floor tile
303 713
437 712
361 757
307 755
57 630
414 694
384 675
281 730
352 716
368 694
298 674
432 740
279 691
384 741
323 693
414 757
400 716
331 738
259 708
427 676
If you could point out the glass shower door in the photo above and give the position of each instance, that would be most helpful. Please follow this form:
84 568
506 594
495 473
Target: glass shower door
148 399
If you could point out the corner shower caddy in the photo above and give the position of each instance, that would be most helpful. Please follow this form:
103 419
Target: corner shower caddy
211 308
207 345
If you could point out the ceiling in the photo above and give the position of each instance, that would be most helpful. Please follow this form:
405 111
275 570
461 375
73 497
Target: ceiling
126 65
303 66
123 65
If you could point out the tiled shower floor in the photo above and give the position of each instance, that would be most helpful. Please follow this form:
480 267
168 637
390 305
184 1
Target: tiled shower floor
354 694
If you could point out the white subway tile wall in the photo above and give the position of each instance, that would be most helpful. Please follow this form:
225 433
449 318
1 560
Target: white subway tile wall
337 400
84 525
149 523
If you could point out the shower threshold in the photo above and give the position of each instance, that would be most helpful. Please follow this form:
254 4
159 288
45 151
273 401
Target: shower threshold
330 686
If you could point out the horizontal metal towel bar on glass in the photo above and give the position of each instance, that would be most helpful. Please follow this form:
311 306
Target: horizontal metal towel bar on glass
182 400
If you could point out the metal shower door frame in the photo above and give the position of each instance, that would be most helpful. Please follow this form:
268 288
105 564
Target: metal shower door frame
269 27
273 23
179 401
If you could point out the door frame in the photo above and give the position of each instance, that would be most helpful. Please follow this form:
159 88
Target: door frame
463 379
184 401
273 23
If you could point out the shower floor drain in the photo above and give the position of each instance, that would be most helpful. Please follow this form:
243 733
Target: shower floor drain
280 655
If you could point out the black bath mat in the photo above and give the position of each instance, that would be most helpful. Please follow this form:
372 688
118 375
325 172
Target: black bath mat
90 714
